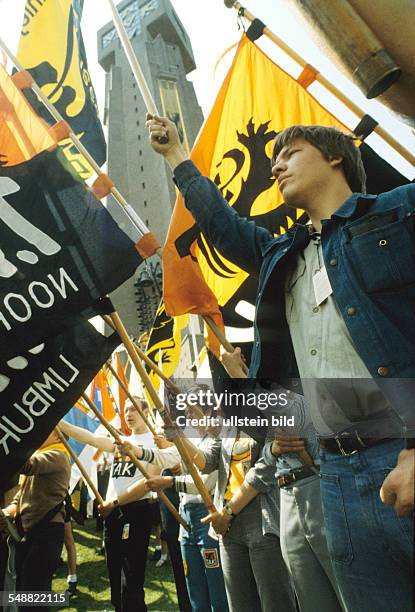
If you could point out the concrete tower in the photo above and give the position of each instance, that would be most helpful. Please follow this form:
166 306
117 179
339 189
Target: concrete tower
166 57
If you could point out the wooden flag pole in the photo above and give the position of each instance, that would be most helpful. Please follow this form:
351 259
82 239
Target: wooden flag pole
128 209
323 81
152 109
218 333
81 468
222 339
133 61
184 454
148 361
151 414
114 433
157 370
134 218
131 398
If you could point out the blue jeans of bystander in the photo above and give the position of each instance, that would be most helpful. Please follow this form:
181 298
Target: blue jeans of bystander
200 553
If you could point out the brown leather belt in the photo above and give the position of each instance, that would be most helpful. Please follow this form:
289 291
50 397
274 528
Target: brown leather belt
349 445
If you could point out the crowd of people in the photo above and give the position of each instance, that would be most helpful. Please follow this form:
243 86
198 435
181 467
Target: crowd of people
317 517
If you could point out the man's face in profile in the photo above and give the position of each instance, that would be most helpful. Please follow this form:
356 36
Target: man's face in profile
301 169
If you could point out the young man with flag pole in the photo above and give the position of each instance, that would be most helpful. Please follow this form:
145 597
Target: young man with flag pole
127 525
146 246
335 277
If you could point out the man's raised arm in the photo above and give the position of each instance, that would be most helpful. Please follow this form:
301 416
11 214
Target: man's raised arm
239 240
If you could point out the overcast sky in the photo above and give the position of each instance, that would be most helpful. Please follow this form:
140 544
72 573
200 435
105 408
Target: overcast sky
212 28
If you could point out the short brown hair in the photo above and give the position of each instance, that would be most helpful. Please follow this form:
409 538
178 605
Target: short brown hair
332 143
138 400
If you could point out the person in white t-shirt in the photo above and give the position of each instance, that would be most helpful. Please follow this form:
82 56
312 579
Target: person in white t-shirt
127 524
200 551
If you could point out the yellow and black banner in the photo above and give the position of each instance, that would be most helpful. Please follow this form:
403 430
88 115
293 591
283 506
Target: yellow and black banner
257 99
164 343
51 48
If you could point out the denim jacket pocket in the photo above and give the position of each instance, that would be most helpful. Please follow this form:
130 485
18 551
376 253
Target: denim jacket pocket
384 256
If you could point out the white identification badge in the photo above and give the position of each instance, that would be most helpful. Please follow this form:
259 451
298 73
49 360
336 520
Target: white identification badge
322 287
125 531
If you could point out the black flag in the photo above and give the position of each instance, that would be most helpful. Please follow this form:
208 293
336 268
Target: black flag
39 386
60 250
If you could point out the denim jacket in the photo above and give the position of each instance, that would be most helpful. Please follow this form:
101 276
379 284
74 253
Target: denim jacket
368 249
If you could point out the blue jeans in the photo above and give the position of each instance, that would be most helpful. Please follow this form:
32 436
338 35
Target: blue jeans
200 554
371 547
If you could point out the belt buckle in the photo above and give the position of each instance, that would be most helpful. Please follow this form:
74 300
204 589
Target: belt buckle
341 449
359 439
285 480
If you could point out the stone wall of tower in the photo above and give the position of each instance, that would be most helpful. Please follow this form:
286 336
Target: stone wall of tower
165 55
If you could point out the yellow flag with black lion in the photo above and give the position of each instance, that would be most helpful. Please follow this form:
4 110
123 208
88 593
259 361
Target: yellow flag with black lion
51 48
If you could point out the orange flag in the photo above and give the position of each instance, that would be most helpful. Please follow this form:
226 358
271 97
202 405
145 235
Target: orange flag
257 99
101 397
22 133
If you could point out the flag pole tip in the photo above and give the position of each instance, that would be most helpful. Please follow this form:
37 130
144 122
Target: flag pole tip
229 3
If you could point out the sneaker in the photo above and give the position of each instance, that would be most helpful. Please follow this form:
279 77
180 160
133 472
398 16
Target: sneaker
156 555
161 561
71 589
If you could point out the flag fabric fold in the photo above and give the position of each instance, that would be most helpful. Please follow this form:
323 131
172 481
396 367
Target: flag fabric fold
39 386
22 134
257 99
51 48
61 250
100 395
164 343
119 393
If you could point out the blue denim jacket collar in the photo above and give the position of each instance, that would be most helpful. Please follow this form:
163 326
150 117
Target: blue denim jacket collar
348 208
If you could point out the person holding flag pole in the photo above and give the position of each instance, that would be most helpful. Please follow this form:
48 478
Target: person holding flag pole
146 246
135 355
38 512
344 274
103 187
99 188
127 525
200 552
